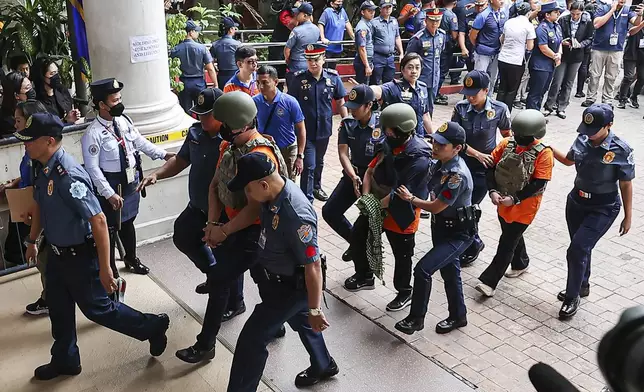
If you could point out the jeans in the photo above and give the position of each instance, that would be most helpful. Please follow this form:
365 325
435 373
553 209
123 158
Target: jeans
561 87
311 178
511 250
510 79
489 64
539 83
632 69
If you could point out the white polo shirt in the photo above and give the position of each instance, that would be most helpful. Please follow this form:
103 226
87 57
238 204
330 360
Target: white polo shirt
517 32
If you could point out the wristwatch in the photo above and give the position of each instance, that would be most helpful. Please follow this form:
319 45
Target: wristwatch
301 156
315 312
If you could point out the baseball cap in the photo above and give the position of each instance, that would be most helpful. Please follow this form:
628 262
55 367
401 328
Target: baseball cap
229 22
40 124
307 8
251 167
359 95
449 132
595 117
387 3
191 25
206 100
368 5
475 81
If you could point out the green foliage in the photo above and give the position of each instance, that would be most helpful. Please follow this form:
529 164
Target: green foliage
209 19
175 32
262 54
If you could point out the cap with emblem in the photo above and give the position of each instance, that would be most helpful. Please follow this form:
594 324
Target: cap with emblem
529 122
104 87
307 8
251 167
595 117
40 124
206 100
235 109
191 25
474 82
367 5
523 8
313 51
550 6
449 132
229 22
480 2
434 14
387 3
400 116
359 95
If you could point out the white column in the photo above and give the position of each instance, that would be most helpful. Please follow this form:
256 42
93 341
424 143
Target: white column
111 26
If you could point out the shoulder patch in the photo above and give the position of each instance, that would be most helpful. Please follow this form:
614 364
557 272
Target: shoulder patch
78 190
421 83
331 71
631 159
298 73
441 31
93 150
454 181
291 35
305 233
625 146
418 34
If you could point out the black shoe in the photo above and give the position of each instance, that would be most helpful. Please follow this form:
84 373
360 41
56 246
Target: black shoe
202 288
347 256
634 103
410 324
159 341
561 115
194 354
320 195
583 293
569 308
547 111
441 100
356 284
310 377
281 333
37 308
136 266
587 103
469 258
401 301
232 313
518 105
51 371
448 325
580 95
621 104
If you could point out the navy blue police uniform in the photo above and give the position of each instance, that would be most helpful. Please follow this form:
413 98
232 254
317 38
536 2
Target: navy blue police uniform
364 39
452 233
63 192
593 204
315 97
288 243
466 16
385 33
223 51
401 91
480 128
301 38
362 142
449 24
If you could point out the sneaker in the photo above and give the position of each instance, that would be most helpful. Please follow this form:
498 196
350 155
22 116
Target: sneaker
485 290
354 283
634 103
587 103
512 273
37 308
621 104
580 95
401 301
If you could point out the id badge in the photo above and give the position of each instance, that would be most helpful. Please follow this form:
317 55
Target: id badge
641 43
262 239
613 39
369 149
129 173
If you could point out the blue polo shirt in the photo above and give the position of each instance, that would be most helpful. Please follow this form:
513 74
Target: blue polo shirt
617 24
490 25
194 57
550 34
334 23
282 123
25 172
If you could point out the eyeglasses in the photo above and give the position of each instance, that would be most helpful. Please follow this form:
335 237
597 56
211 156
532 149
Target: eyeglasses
251 61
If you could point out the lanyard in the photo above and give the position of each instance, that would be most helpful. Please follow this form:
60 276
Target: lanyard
616 18
119 140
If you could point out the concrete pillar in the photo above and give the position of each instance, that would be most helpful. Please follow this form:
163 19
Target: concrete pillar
115 30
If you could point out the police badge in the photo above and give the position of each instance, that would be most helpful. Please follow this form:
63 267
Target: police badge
115 83
352 95
589 118
469 82
201 99
608 157
490 114
443 128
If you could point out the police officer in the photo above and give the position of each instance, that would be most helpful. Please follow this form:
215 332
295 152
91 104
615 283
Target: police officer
523 167
546 57
480 116
485 36
453 225
466 16
236 241
111 146
291 282
356 148
363 62
386 40
315 89
223 51
305 34
604 163
405 160
407 15
285 22
78 269
408 90
194 58
449 25
429 43
333 22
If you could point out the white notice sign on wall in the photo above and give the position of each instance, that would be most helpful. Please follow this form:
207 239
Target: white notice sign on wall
144 48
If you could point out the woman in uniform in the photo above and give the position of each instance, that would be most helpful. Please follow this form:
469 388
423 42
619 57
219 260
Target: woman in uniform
604 164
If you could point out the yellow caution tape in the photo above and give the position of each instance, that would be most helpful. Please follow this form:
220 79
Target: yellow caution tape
168 136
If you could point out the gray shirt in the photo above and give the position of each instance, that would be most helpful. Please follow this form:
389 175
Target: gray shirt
301 36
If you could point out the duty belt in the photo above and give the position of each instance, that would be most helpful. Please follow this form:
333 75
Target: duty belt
385 54
594 198
72 250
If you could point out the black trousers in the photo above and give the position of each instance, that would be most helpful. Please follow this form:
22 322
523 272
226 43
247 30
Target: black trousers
14 248
127 235
510 79
583 73
632 70
511 250
402 246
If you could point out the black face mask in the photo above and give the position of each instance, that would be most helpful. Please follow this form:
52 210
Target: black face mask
117 110
524 140
227 133
55 82
31 94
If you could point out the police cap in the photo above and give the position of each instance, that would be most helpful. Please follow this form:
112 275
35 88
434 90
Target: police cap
449 133
191 25
475 81
595 117
104 87
251 167
235 109
523 8
434 14
313 51
229 22
367 5
206 100
399 116
387 3
359 95
40 124
549 7
529 122
307 8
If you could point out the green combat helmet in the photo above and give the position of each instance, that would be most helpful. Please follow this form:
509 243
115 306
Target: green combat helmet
399 115
235 109
529 122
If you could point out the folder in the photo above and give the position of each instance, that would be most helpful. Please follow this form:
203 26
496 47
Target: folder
21 201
